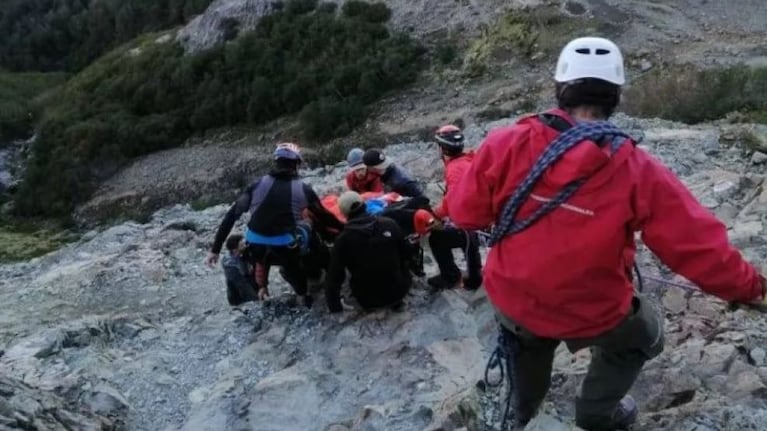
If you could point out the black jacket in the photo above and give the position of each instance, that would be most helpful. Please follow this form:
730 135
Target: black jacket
240 284
374 250
278 208
395 179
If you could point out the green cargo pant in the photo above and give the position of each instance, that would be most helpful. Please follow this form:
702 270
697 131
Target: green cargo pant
617 358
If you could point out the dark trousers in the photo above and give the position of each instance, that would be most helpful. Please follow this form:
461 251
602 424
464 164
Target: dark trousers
295 268
443 241
617 358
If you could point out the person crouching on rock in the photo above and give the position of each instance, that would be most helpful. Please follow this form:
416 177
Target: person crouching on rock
278 233
449 139
393 177
376 253
566 190
240 282
360 179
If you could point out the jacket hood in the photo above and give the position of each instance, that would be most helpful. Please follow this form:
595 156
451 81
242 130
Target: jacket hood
585 160
362 223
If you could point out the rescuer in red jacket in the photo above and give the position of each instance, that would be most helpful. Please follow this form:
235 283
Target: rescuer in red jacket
565 207
450 139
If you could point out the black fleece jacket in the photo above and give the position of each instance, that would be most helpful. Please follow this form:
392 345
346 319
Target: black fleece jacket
374 250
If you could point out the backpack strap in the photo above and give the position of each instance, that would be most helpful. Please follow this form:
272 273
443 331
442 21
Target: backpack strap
258 194
298 202
554 121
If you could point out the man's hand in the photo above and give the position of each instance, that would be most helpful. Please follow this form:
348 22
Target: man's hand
212 259
263 294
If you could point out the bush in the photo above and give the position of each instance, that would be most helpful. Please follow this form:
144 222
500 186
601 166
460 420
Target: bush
55 35
149 96
690 95
370 12
18 93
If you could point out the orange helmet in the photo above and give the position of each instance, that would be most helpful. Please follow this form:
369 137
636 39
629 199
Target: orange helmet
423 222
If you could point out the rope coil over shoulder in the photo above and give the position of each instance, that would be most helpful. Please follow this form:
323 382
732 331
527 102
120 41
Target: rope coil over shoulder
594 131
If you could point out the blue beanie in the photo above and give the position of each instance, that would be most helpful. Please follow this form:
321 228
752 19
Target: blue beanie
354 158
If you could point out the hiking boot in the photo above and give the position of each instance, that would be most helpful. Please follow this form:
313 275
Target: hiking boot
305 300
472 283
439 283
622 419
398 306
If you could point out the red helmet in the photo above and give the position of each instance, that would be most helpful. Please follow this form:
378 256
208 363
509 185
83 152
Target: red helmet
450 137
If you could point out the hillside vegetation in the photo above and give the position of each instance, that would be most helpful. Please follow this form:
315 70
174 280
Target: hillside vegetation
690 95
19 94
307 59
56 35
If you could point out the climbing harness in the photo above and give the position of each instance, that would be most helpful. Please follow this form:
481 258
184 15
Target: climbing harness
503 359
594 131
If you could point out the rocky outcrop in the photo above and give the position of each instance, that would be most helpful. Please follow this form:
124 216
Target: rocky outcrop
209 28
202 174
24 407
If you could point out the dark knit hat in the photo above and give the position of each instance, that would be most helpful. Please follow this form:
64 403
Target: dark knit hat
373 157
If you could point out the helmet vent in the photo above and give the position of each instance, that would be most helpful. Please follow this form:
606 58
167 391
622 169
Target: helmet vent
583 51
602 51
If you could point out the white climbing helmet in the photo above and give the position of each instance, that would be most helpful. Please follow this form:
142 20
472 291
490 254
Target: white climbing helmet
590 57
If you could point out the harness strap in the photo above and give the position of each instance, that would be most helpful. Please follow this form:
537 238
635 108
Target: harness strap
283 240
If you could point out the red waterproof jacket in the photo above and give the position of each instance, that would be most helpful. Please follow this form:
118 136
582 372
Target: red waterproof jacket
568 275
371 182
455 169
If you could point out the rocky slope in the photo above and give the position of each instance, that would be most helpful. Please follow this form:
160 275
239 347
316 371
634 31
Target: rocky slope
422 17
126 329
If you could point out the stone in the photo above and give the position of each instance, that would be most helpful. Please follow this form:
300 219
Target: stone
645 65
746 383
759 356
675 300
544 422
759 158
746 232
716 356
107 400
725 188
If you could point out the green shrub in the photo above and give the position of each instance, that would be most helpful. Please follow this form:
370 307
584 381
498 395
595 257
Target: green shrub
18 93
149 96
691 95
51 35
370 12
